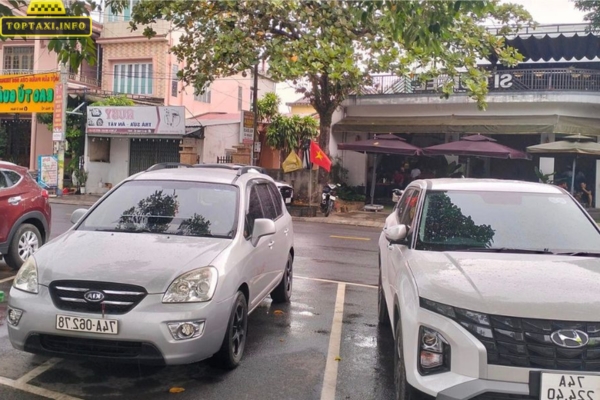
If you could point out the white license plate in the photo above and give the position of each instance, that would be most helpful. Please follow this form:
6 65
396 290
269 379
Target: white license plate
288 200
570 387
93 325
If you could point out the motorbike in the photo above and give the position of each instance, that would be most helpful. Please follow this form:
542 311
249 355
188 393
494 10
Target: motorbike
328 197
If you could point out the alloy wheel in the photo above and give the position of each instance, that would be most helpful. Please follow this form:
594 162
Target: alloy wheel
28 244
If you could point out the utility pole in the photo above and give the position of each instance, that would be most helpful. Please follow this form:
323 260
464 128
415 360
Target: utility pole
60 123
255 109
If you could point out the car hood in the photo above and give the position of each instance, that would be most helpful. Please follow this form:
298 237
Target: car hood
149 260
518 285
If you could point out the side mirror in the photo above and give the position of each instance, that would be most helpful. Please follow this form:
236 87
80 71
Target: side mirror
262 227
395 234
396 194
77 214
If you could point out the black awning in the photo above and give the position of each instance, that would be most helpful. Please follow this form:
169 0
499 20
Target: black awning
554 47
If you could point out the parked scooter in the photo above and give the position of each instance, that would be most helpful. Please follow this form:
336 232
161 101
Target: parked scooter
328 197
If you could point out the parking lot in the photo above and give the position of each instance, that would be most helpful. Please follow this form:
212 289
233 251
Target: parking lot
324 345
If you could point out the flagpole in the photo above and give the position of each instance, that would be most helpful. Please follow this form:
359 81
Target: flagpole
310 189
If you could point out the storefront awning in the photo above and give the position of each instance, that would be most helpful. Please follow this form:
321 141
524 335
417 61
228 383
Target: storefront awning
471 124
555 47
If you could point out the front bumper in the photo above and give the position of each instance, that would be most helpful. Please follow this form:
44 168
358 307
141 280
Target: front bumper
145 326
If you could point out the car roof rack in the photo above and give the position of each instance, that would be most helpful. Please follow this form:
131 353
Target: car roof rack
164 165
217 165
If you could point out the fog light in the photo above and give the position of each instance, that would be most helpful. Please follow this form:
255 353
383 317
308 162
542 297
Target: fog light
431 360
14 316
186 330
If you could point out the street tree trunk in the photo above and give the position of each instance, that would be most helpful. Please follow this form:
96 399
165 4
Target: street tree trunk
324 136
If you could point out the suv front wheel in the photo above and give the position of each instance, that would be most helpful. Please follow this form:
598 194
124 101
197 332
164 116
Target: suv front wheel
24 243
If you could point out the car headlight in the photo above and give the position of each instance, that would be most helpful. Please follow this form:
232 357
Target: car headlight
195 286
434 352
27 277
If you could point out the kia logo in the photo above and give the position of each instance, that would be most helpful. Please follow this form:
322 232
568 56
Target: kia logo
93 296
570 338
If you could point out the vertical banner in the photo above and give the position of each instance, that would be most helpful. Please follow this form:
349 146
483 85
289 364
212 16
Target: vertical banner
48 171
247 127
58 125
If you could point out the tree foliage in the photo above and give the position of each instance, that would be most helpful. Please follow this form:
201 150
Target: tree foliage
329 48
287 133
592 10
268 107
111 101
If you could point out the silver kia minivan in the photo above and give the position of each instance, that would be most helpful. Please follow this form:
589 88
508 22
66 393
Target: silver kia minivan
163 269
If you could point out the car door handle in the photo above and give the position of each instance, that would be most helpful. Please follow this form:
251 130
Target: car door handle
271 243
286 230
15 200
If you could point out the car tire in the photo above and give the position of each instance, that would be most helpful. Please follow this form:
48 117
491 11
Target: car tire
26 241
283 292
232 349
403 389
382 311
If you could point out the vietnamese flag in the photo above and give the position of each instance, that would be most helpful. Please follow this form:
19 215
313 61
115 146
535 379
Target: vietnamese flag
317 156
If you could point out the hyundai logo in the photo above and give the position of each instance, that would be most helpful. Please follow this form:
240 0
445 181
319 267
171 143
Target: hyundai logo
570 338
93 296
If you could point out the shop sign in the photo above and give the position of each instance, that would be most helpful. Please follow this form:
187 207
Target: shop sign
136 120
247 127
27 93
48 171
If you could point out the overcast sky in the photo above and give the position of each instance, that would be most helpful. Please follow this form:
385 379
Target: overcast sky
543 12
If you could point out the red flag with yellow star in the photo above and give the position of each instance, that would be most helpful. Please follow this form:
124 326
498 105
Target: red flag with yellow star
317 156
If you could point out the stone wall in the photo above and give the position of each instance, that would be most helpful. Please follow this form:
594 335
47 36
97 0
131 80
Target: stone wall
299 181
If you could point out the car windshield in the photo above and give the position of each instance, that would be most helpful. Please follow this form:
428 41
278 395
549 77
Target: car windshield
479 220
167 207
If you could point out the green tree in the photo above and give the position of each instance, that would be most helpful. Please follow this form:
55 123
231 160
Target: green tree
112 101
287 133
268 107
329 48
592 10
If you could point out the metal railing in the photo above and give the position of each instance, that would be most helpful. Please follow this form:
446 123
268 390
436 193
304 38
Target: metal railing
555 79
86 80
225 160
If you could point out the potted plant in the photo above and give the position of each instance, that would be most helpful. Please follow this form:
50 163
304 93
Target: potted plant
81 175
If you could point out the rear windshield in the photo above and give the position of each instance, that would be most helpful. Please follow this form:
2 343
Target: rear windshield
168 207
453 220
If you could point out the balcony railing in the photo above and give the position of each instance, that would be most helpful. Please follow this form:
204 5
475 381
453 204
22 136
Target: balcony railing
523 80
85 80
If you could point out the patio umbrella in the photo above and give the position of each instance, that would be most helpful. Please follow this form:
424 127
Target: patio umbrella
576 144
381 144
475 146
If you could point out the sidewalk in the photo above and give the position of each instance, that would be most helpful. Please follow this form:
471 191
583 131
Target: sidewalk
355 218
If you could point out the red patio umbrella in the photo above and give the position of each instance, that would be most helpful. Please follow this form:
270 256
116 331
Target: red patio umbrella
475 146
381 144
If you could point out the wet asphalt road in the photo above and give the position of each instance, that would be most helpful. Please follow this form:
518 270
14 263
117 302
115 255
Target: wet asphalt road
287 347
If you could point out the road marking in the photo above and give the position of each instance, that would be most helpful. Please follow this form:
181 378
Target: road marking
333 353
38 371
10 278
331 281
35 390
350 238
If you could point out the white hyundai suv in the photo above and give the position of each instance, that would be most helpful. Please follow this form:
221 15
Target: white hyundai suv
492 290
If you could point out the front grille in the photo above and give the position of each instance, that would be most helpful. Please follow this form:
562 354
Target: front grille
524 342
118 298
91 347
504 396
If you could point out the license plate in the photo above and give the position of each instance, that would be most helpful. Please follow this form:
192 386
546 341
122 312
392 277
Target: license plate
288 200
570 387
93 325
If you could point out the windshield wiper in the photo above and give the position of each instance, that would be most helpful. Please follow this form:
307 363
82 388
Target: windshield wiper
580 254
507 250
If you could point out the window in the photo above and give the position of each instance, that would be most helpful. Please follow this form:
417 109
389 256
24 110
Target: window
3 181
277 199
266 201
240 97
113 16
174 80
410 209
204 97
12 177
18 58
133 78
254 211
168 207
